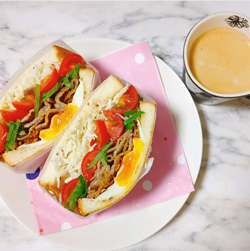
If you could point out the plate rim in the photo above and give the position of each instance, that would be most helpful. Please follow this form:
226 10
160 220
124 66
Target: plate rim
182 198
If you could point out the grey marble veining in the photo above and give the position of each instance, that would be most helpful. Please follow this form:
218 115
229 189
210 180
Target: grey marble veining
216 216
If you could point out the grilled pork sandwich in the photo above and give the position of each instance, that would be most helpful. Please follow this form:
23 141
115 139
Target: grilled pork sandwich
41 102
101 155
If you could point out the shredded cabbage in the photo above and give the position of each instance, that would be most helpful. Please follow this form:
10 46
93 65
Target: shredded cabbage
75 144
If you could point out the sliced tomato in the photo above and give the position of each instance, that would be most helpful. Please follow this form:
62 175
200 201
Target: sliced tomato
26 103
3 136
49 81
13 115
88 174
102 134
127 101
68 189
69 62
114 124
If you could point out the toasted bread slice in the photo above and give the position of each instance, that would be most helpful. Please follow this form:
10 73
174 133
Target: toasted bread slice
14 157
55 55
66 157
87 206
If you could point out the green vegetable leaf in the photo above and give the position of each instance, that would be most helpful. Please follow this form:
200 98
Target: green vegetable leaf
37 100
80 192
69 201
128 113
11 137
129 126
84 186
21 127
11 130
73 203
9 123
104 158
56 87
67 83
75 71
71 75
99 155
132 118
131 112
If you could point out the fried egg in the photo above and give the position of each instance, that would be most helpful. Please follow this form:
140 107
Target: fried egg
125 174
59 122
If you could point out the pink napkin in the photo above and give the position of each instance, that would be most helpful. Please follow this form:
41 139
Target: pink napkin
169 176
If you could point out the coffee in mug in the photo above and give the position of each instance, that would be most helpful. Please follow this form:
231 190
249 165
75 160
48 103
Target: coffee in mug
216 57
220 60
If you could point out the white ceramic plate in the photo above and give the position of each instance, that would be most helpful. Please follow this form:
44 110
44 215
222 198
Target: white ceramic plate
133 227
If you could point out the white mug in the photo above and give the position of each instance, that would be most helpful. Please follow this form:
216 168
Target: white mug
223 19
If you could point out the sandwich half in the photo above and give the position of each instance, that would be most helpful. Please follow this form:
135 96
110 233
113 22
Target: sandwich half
101 155
35 109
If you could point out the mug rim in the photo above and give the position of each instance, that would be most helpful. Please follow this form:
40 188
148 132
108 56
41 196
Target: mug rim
186 64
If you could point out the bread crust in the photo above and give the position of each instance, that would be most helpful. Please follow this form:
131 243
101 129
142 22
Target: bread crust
14 157
61 53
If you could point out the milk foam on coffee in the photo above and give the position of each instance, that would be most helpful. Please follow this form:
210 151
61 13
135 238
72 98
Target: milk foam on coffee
219 59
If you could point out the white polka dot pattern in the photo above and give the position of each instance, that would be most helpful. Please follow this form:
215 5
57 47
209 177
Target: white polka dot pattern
181 159
65 226
139 58
147 185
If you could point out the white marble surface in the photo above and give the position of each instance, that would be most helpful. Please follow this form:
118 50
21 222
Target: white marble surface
216 216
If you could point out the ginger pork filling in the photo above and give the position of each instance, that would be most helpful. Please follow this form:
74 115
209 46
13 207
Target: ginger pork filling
105 174
56 104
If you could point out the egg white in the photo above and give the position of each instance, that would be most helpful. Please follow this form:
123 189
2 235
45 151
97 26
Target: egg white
111 191
42 141
115 189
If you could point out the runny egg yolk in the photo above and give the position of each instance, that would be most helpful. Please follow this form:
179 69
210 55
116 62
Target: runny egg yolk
129 163
58 122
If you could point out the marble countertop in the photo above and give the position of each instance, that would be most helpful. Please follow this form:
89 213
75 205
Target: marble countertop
215 216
